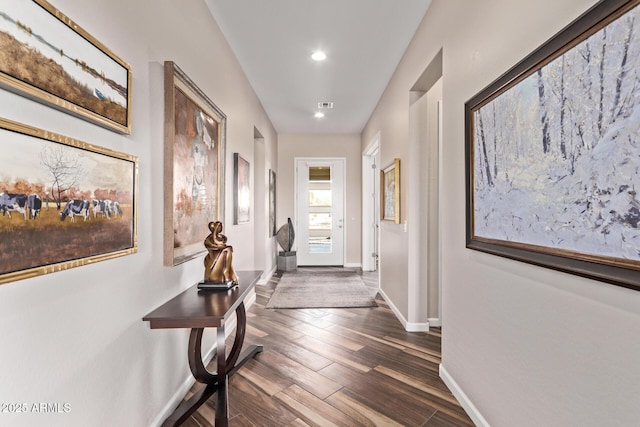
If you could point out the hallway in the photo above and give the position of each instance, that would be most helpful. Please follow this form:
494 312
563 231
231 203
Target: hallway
345 367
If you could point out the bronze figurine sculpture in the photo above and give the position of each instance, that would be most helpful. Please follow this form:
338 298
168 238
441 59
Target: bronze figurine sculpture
217 263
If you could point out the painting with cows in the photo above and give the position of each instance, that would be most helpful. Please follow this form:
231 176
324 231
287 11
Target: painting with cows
63 202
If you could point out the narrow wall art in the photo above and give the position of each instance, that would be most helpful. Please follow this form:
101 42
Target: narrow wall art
272 203
553 152
194 166
64 203
390 200
241 190
49 58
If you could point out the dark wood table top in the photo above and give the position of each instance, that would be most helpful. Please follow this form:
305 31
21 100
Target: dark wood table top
194 308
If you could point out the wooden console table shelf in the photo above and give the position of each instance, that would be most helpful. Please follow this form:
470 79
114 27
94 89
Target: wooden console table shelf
197 310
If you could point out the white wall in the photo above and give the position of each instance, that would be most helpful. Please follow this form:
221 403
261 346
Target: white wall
527 346
77 336
321 145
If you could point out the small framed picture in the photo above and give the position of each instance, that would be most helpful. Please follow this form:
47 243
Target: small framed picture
390 201
272 203
241 190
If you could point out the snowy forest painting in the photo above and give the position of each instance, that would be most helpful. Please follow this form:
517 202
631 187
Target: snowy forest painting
554 153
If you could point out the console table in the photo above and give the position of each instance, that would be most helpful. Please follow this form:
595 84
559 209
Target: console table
196 309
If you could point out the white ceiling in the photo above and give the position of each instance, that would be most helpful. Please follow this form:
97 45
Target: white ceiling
273 40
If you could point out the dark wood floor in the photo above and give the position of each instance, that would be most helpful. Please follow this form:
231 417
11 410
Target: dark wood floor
336 367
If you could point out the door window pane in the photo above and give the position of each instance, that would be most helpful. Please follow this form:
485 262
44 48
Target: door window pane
320 196
320 233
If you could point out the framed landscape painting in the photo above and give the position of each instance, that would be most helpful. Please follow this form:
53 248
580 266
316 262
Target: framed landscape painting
194 167
64 203
241 190
553 152
49 58
390 200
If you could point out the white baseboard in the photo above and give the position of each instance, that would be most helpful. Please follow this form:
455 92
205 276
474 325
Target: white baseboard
416 327
248 302
352 265
436 322
408 326
186 385
464 400
173 402
177 397
264 279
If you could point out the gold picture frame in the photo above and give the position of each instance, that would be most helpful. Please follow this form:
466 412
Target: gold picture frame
194 166
49 58
390 188
65 203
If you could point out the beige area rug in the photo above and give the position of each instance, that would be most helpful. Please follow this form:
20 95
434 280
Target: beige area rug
322 289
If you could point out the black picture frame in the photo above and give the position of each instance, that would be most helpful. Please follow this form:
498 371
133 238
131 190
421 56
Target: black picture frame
603 203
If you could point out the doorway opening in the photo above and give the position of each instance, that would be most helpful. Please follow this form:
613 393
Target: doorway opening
263 251
371 205
425 171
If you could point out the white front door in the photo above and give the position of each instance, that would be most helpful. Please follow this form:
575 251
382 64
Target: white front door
320 211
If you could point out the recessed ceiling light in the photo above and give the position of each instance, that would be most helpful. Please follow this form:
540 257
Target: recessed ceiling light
319 115
319 56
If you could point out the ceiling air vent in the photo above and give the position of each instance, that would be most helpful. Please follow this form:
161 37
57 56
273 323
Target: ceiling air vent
325 104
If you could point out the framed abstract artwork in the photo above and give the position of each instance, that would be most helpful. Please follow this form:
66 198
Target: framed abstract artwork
194 153
241 190
272 203
51 59
64 202
390 200
553 152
